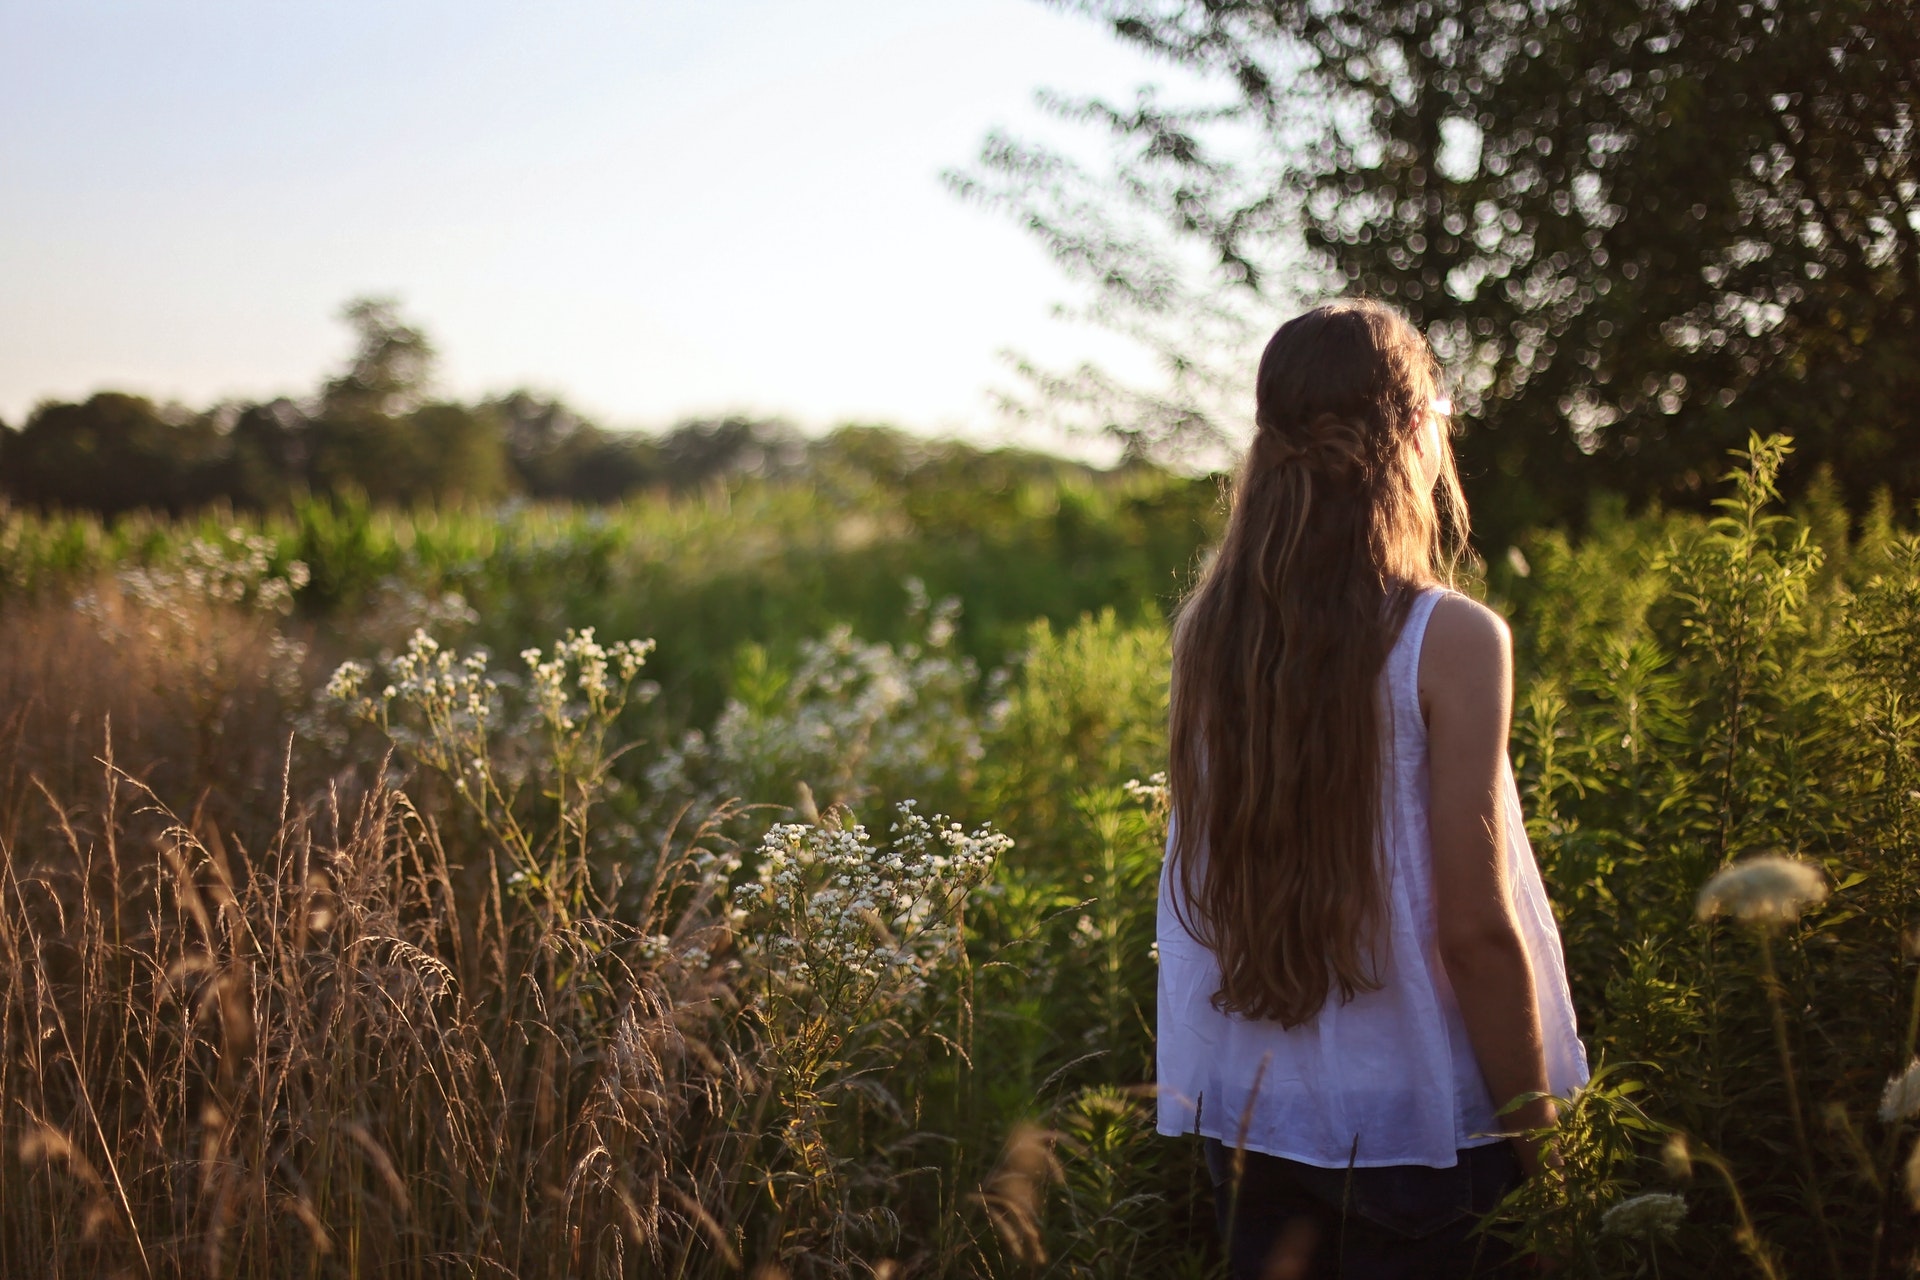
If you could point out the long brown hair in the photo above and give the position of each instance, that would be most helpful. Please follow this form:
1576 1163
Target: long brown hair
1276 734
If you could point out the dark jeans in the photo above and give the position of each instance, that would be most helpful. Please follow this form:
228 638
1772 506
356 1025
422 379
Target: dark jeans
1292 1221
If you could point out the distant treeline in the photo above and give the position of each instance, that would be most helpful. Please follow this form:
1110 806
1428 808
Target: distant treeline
115 453
375 432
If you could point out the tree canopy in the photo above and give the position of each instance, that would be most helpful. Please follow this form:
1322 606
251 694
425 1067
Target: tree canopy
1635 230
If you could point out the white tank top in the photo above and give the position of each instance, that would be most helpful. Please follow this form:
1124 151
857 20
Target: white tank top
1386 1078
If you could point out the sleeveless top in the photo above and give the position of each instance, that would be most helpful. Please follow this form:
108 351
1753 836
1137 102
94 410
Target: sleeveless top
1389 1077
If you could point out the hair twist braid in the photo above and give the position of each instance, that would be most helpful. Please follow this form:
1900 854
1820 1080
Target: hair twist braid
1329 445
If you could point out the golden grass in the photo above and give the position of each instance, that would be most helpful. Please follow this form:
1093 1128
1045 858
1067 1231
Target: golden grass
313 1027
314 1057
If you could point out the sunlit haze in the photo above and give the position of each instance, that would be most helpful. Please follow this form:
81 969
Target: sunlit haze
654 209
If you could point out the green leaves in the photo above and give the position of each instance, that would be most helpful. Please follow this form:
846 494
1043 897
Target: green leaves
1702 691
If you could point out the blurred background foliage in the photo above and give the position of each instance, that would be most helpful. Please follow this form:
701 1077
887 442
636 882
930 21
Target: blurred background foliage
741 561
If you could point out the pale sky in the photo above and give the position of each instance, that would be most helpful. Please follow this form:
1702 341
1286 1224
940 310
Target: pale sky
653 208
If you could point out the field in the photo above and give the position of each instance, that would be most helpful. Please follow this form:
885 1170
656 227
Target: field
372 907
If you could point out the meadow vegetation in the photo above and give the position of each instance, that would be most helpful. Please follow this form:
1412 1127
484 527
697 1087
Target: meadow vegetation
542 892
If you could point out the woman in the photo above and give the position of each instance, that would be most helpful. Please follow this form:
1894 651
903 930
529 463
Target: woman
1359 972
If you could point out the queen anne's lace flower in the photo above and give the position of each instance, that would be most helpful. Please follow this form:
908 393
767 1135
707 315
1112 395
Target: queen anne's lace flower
1769 890
1653 1216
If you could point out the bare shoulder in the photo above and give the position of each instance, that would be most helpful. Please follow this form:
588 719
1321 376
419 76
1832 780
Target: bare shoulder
1467 652
1461 628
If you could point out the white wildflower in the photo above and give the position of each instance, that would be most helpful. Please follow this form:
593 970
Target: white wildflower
1653 1216
447 710
1152 793
836 913
1767 890
345 683
630 656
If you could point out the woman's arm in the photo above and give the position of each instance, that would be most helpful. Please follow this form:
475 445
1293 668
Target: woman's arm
1466 694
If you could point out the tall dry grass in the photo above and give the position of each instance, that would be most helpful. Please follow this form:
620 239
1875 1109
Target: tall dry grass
321 1057
201 712
260 1018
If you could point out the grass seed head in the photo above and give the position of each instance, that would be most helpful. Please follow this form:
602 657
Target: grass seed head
1678 1158
1014 1194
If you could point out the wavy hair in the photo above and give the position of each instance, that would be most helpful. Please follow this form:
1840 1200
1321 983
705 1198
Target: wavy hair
1276 729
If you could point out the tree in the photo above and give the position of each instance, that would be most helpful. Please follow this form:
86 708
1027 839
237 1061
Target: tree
271 446
377 431
392 363
558 455
1636 230
374 431
705 449
114 453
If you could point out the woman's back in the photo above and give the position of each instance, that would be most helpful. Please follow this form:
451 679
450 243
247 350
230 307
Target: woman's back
1390 1076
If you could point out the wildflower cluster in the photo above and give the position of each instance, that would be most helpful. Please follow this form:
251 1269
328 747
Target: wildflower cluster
850 720
582 665
1152 793
457 699
452 702
489 734
236 569
1155 796
192 607
833 914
